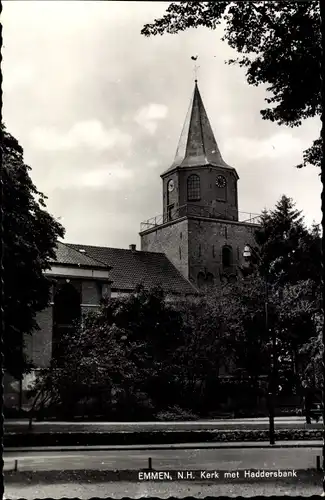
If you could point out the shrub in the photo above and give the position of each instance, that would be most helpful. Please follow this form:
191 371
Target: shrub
176 413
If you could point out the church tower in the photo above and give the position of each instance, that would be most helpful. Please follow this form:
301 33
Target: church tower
199 230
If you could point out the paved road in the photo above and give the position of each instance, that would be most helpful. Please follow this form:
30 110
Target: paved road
314 443
226 424
27 483
223 459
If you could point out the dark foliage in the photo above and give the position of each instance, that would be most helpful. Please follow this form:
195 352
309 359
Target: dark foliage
30 235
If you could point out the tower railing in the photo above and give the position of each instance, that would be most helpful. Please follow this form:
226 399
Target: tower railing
199 211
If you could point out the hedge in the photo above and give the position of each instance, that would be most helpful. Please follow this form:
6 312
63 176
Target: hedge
12 439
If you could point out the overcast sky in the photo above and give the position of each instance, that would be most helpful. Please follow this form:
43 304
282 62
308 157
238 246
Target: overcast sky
98 109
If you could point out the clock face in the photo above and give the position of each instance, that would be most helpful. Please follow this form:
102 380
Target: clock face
171 185
221 181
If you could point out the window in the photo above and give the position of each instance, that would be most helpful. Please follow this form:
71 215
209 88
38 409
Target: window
170 212
66 313
226 256
193 188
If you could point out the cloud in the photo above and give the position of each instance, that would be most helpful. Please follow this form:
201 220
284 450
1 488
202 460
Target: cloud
152 163
91 134
18 76
277 146
107 175
66 63
148 116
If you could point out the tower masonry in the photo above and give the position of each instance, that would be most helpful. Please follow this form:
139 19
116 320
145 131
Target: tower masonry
200 230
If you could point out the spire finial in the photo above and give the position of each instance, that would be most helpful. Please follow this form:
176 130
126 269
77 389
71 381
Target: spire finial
196 67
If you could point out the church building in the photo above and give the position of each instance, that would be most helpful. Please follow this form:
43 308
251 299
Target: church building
197 242
200 230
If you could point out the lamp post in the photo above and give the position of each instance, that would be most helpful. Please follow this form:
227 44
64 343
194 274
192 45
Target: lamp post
247 254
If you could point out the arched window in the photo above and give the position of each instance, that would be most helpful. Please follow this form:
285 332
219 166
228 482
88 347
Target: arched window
193 188
227 256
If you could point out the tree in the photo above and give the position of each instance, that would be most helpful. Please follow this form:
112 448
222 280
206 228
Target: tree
204 349
95 369
312 353
243 309
279 44
288 251
30 234
288 257
119 358
298 312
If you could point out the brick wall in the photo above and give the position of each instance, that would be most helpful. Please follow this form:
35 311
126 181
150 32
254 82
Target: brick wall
206 239
172 240
173 196
199 243
38 349
39 345
222 200
210 195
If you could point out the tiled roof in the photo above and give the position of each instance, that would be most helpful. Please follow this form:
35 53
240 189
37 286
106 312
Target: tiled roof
65 254
131 267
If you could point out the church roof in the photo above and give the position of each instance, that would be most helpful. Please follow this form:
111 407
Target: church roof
197 145
67 255
132 267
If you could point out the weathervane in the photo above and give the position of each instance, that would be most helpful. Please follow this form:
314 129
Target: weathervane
196 67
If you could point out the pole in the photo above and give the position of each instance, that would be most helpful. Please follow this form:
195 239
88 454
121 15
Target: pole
20 396
321 74
272 372
321 68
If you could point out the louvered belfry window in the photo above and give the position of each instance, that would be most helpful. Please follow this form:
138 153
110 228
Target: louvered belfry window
193 188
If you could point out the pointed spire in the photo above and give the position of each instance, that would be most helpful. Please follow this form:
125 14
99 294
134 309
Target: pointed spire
197 145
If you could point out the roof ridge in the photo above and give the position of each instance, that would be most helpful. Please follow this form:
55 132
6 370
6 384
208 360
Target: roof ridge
200 106
71 245
68 245
127 267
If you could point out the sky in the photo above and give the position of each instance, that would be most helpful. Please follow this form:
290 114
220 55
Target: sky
99 108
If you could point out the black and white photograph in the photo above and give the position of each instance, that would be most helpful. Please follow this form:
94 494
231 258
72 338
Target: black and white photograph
162 235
